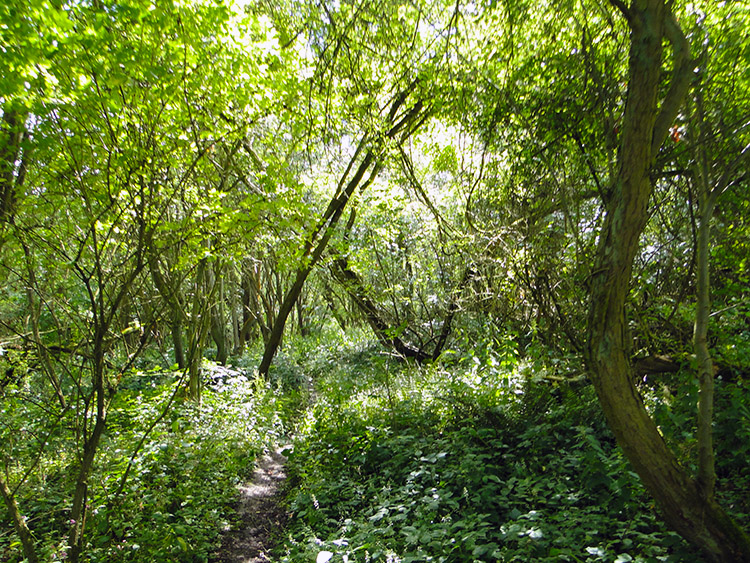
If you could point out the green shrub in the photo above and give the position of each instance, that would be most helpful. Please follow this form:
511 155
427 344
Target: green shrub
181 483
472 464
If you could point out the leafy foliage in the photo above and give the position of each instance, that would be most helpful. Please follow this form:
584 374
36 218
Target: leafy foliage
478 463
182 469
164 168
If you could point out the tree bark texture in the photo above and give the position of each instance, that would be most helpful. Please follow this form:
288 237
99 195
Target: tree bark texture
22 529
700 521
12 134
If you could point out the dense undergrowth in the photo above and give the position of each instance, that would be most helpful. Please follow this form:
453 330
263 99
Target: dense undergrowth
481 461
478 459
182 460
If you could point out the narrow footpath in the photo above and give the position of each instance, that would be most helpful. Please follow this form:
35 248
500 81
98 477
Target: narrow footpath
260 514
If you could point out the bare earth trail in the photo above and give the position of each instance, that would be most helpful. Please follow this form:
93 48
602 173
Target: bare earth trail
261 516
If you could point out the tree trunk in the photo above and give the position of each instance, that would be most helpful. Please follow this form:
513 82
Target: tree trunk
237 344
19 523
301 321
318 240
176 326
103 314
218 322
198 329
330 299
700 521
450 314
12 134
310 259
35 308
250 305
708 195
90 444
706 469
382 330
169 289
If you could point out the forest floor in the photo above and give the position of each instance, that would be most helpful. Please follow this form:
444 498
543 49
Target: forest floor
261 514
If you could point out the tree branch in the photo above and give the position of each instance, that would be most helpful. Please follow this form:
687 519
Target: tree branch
682 67
726 177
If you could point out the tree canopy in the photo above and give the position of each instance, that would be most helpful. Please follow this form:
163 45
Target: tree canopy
561 183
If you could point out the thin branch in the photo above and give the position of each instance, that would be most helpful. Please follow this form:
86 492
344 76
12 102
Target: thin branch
725 180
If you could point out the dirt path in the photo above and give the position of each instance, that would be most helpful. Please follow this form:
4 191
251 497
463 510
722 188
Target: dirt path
260 515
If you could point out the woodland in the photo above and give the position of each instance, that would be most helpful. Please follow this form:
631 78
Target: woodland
481 268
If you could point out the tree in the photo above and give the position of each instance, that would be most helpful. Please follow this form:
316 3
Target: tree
686 508
711 176
387 99
549 122
399 124
169 169
121 97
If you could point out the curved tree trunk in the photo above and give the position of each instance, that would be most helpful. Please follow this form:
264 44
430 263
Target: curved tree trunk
317 241
383 331
700 520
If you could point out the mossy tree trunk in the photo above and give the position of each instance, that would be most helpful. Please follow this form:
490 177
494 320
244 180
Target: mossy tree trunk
700 520
19 522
